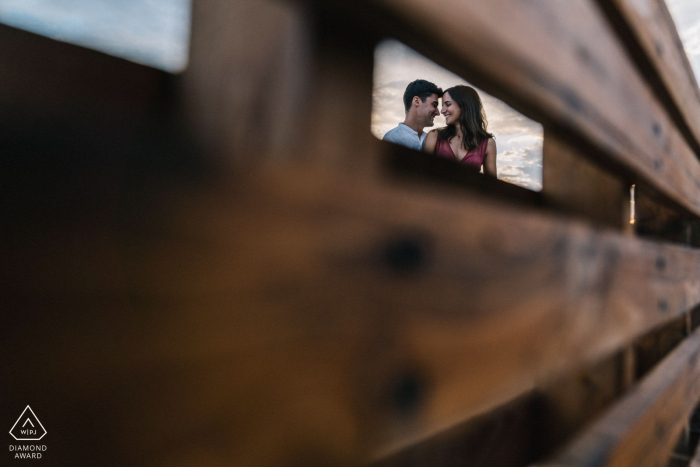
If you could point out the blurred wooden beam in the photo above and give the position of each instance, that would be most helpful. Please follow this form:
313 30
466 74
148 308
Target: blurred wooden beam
647 29
642 429
564 65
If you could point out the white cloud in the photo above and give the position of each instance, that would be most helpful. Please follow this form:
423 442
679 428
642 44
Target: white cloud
686 15
518 139
153 32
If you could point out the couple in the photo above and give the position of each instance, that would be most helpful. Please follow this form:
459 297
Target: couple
464 139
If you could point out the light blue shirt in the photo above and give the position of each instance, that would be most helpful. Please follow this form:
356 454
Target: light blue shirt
405 136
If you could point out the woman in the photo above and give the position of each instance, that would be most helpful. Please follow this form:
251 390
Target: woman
465 137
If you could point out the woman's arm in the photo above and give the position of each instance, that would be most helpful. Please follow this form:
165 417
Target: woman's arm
430 142
490 159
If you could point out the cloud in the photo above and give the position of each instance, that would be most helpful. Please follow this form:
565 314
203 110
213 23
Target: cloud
686 15
153 32
518 139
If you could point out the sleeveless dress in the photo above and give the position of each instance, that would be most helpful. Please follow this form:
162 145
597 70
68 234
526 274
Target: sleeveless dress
474 158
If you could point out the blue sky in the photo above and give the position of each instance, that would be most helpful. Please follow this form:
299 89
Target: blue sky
518 139
152 32
156 33
686 15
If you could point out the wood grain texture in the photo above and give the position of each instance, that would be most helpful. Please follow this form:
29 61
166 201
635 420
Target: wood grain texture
293 312
340 316
654 39
480 441
571 400
502 304
242 96
643 428
651 348
532 426
564 64
45 77
301 91
573 183
695 461
655 218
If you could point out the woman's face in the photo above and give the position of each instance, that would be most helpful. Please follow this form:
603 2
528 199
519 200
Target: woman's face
450 110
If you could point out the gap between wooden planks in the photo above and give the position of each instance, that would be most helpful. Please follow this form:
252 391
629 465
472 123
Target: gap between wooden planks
491 297
643 428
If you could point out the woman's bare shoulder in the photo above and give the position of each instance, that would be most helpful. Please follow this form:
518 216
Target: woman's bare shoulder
430 142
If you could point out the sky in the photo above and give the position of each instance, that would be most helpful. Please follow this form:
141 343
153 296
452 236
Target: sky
518 139
686 15
151 32
156 33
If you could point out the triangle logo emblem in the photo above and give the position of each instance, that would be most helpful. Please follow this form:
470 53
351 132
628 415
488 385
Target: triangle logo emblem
27 427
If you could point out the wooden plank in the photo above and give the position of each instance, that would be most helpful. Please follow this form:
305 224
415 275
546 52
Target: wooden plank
232 88
302 91
573 183
571 400
643 428
683 449
562 64
582 286
695 461
648 30
628 367
694 428
586 292
694 318
655 218
336 279
403 309
299 313
44 77
303 316
402 163
653 347
532 426
480 442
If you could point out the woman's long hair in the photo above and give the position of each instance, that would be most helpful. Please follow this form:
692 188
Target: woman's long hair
472 121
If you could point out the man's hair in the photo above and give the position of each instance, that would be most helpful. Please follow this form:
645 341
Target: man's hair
421 88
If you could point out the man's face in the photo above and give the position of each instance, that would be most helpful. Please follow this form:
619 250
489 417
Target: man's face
428 110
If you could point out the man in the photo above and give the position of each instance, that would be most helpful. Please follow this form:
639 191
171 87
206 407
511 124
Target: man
421 102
